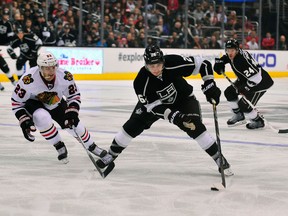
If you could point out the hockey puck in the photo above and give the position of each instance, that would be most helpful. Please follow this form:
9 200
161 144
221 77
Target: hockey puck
217 187
214 189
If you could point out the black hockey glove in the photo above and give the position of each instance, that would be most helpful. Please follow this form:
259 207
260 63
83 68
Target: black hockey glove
219 66
211 91
242 88
27 126
11 53
183 121
71 117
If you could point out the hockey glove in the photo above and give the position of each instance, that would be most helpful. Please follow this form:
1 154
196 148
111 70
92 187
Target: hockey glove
243 88
219 66
27 126
183 121
211 91
11 53
71 117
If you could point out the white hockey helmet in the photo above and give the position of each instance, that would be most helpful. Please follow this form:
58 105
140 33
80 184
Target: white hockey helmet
46 59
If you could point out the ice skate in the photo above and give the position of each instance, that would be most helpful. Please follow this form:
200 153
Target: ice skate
1 87
62 152
226 166
13 81
99 152
237 119
105 161
256 123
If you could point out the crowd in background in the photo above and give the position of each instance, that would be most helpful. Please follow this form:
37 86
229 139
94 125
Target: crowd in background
123 24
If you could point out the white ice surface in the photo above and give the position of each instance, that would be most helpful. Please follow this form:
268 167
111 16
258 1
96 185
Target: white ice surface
161 173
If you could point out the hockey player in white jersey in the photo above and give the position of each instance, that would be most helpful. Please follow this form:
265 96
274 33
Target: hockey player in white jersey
46 93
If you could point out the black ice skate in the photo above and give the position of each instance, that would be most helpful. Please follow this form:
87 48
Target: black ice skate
13 81
256 123
1 87
237 119
105 161
105 165
62 152
226 166
99 152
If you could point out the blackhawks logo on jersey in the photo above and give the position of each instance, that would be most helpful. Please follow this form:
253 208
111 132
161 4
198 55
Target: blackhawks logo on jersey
68 76
27 79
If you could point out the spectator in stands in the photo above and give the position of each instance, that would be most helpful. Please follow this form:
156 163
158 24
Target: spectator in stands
59 29
213 44
205 43
252 34
18 19
89 41
171 43
252 44
244 45
268 42
197 30
172 9
28 27
220 17
101 44
42 29
282 43
111 42
231 20
198 13
197 42
131 40
123 43
67 38
141 40
130 5
213 15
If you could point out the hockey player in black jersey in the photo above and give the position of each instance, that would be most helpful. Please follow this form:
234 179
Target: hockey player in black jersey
6 29
252 82
163 93
6 33
29 45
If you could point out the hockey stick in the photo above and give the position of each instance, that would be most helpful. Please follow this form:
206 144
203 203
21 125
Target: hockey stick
253 107
215 187
102 173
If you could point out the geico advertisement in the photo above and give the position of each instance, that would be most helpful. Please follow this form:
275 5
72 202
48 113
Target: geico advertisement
79 60
131 60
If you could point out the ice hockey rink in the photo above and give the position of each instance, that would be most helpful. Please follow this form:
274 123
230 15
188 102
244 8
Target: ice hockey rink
162 172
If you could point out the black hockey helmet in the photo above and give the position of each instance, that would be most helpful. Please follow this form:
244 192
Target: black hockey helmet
233 43
153 55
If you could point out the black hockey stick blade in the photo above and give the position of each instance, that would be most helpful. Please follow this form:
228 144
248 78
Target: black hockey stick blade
108 169
283 131
103 172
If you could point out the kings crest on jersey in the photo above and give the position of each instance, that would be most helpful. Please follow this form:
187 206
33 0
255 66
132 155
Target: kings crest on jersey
32 86
171 87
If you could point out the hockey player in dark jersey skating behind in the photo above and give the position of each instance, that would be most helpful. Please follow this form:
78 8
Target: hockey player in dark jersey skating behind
252 82
29 44
163 93
6 34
